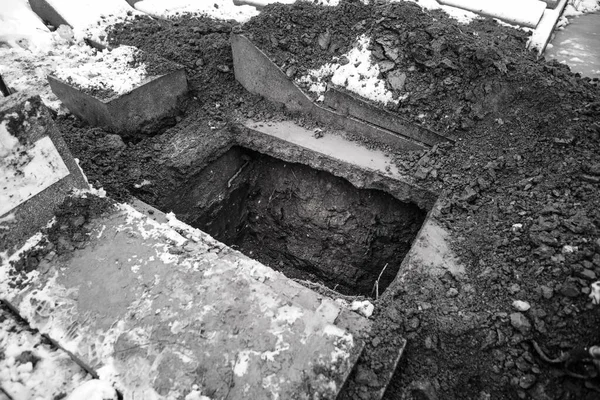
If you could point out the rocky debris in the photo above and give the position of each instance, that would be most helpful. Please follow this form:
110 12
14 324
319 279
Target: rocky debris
521 305
520 322
396 80
570 290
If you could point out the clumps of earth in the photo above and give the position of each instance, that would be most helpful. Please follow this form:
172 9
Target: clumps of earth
70 231
518 190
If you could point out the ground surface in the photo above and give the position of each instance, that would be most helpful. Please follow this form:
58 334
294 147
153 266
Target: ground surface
527 154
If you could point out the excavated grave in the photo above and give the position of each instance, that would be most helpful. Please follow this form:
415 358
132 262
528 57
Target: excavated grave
162 310
307 223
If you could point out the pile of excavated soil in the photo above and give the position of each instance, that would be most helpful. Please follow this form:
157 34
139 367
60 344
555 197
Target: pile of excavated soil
519 190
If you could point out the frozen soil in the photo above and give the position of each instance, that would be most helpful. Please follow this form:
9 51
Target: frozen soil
528 154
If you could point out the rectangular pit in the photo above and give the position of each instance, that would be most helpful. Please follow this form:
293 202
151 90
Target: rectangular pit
306 223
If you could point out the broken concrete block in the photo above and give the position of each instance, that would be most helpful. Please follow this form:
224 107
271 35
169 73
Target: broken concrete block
162 310
140 101
37 170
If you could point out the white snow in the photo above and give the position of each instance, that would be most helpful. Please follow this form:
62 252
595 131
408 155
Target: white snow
94 389
108 70
27 170
579 7
220 9
360 75
365 308
54 374
242 361
520 305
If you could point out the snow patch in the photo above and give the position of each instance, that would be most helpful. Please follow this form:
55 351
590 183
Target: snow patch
26 170
94 389
109 70
359 75
219 9
580 7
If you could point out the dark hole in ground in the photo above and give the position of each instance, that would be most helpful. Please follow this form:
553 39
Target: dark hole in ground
306 223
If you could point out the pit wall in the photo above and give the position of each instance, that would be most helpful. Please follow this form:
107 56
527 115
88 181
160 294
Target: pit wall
306 223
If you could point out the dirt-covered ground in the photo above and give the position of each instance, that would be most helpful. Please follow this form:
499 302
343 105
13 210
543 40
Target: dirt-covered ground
519 189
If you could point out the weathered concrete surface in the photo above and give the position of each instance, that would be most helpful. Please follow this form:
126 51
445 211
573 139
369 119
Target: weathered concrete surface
158 308
363 167
258 74
142 109
578 45
348 104
542 33
431 254
37 170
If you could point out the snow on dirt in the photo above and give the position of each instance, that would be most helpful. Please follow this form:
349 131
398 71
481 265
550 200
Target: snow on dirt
91 18
31 52
113 70
356 73
72 61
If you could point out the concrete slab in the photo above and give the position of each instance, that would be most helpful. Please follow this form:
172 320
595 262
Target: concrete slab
141 110
363 167
346 103
517 12
258 74
165 311
333 145
37 170
542 33
578 45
